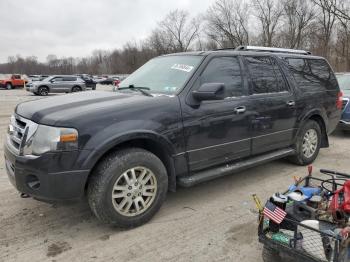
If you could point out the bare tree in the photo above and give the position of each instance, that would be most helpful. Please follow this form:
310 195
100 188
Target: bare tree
227 22
180 30
298 16
322 26
159 42
269 13
326 20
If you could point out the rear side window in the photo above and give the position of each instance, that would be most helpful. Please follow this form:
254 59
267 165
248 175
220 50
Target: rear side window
312 74
322 73
69 78
224 70
264 73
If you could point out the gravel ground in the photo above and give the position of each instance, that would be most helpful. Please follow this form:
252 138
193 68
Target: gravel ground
215 221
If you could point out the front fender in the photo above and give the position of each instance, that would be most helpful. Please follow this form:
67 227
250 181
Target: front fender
107 144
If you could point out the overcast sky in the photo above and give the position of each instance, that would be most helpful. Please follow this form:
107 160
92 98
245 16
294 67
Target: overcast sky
77 27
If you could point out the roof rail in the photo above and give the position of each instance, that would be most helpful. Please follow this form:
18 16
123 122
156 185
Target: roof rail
225 48
272 49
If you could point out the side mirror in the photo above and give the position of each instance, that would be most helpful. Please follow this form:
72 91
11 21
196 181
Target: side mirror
209 91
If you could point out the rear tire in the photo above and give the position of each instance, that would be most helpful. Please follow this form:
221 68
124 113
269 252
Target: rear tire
43 91
76 89
127 188
307 144
270 255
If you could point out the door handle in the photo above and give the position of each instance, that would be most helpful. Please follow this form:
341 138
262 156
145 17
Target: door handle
240 109
291 103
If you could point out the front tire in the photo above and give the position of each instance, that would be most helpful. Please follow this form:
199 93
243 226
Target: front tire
127 188
308 144
8 86
43 91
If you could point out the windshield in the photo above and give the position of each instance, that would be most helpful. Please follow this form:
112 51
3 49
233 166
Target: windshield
167 74
344 81
46 79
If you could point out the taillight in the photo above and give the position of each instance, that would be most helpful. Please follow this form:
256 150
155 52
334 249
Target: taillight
340 101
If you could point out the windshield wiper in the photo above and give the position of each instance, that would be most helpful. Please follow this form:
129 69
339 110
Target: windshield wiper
138 88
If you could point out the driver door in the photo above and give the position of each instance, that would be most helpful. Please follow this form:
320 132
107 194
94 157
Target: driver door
57 84
217 132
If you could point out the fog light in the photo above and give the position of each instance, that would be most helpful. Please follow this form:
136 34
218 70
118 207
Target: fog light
32 182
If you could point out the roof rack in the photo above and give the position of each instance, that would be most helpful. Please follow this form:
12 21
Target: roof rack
225 48
272 49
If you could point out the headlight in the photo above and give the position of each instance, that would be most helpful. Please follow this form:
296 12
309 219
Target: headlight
47 138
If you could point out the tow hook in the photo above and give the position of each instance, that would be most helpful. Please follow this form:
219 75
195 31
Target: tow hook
24 195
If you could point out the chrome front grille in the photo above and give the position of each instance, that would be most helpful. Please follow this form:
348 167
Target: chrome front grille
20 130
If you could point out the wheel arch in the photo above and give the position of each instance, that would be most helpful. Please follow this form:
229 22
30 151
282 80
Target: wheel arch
321 121
44 86
153 143
76 86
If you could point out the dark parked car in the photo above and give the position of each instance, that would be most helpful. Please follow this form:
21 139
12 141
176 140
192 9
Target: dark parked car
89 81
179 120
344 84
109 80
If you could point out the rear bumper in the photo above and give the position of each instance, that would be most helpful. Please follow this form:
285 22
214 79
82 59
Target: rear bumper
54 185
344 125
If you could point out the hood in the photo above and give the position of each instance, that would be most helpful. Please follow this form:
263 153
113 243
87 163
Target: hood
64 110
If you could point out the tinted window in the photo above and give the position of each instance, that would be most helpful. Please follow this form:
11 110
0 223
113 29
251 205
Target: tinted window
301 72
281 82
68 78
57 79
322 73
262 75
224 70
312 74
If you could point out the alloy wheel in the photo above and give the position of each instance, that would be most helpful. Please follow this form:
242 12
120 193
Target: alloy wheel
44 92
134 191
310 142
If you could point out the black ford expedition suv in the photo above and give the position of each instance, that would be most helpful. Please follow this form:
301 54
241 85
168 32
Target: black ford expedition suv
180 119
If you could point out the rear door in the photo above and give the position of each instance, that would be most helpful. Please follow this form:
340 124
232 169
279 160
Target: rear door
274 120
217 132
68 83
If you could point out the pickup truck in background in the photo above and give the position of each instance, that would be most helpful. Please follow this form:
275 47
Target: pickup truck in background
13 82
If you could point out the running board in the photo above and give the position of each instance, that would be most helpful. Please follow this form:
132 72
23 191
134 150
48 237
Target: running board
228 169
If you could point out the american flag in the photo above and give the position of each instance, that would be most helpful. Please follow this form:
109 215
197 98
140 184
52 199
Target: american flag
274 213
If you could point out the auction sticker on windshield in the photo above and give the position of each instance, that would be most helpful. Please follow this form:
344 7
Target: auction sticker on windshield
182 67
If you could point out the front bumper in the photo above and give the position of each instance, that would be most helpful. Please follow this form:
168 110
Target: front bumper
57 173
32 88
